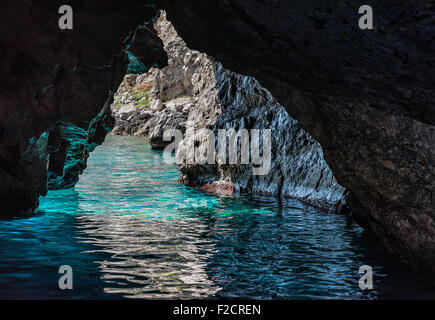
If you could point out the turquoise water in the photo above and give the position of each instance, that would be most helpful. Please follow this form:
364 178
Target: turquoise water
129 230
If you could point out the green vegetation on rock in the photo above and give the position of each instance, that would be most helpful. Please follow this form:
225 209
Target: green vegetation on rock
142 97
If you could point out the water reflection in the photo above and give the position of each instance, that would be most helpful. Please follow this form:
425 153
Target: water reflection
157 259
130 231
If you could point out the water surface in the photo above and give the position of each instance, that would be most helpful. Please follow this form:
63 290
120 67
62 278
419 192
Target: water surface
129 230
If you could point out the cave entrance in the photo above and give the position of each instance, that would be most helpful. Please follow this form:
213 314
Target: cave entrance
129 230
193 93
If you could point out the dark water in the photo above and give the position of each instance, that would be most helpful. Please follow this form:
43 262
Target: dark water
129 230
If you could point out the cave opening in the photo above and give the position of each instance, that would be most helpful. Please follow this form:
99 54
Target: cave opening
222 231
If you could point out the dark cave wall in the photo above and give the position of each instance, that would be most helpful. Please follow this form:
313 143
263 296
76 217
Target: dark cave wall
317 46
366 95
50 76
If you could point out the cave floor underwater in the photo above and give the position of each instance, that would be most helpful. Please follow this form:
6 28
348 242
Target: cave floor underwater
129 230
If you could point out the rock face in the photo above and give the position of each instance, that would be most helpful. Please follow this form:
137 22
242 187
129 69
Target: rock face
53 78
155 102
138 109
70 147
366 95
297 168
160 100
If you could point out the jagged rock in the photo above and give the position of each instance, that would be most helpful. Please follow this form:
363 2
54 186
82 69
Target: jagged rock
163 122
51 76
298 169
346 88
72 159
159 100
222 99
68 158
146 47
157 105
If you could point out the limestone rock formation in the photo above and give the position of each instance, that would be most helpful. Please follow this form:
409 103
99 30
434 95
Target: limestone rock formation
298 169
70 146
51 76
159 100
366 95
196 92
138 108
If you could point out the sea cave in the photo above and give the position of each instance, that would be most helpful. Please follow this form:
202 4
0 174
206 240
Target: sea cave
114 157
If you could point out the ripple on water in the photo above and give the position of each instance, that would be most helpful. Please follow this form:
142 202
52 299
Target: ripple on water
129 230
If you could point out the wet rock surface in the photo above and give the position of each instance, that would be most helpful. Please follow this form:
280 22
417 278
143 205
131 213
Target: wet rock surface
195 92
297 168
366 96
51 76
69 151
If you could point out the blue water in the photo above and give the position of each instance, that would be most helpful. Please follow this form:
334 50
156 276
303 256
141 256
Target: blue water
129 230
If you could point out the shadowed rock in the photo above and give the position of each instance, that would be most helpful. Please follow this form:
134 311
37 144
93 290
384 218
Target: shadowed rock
366 95
196 92
51 76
